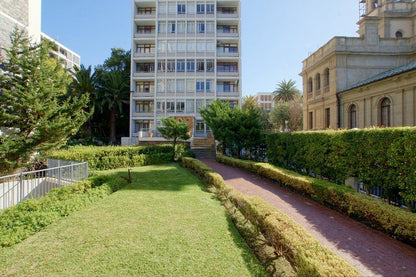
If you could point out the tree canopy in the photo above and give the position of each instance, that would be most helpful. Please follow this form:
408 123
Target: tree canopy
37 113
286 91
174 130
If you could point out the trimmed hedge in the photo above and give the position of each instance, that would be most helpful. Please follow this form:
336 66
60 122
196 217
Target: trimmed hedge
305 254
381 157
391 220
19 222
112 157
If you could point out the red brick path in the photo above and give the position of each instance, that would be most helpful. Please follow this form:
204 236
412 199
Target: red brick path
370 251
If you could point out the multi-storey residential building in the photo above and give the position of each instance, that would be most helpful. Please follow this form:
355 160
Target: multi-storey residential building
185 54
357 82
26 15
264 100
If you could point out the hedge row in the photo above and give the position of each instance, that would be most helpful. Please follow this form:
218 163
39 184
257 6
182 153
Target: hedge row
383 158
393 221
112 157
19 222
305 254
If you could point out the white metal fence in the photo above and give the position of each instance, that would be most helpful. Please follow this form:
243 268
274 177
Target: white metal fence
18 187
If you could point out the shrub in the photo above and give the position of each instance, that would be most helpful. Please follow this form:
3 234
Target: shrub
288 238
366 153
111 157
19 222
391 220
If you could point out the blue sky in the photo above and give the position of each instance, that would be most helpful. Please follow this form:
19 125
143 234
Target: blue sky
277 35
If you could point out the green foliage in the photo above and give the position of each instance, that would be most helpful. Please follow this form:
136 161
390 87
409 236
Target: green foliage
378 157
174 130
306 256
19 222
111 157
234 128
394 221
286 91
36 112
290 112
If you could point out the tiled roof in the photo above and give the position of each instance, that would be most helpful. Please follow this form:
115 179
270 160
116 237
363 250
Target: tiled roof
384 75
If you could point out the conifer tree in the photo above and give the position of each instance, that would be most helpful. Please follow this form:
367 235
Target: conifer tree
36 112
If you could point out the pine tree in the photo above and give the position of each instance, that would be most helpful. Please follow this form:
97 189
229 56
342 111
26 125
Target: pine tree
36 112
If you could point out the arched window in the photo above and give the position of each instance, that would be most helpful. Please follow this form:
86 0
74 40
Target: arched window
310 85
326 78
318 81
353 117
399 34
385 113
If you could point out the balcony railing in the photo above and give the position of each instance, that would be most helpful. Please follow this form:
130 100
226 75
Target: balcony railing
227 15
145 35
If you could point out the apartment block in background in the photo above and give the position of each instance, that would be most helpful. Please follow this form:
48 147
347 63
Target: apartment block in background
264 100
185 55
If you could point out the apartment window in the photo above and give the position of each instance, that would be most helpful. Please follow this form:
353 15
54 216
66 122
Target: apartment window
200 86
171 46
227 29
190 86
181 27
209 85
200 65
210 27
181 8
143 125
327 118
143 87
211 45
161 47
161 66
200 126
200 46
171 86
190 65
172 8
310 120
172 27
162 8
200 8
199 104
385 109
353 117
180 85
200 27
227 87
144 107
160 106
210 66
228 10
170 106
190 27
145 67
145 29
145 10
180 66
190 46
181 47
229 48
210 8
161 86
190 106
170 66
180 106
144 48
227 67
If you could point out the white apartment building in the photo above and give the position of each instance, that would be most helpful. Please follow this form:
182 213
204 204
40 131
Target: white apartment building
185 54
264 100
27 14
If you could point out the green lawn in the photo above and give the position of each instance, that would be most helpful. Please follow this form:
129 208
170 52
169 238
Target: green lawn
163 224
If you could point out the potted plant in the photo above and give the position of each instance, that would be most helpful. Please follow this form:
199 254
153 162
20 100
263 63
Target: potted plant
149 134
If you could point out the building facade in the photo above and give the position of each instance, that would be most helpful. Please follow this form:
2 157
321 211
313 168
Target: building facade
185 55
26 15
386 42
264 100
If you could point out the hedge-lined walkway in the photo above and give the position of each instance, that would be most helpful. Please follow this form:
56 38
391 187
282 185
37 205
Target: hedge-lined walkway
370 251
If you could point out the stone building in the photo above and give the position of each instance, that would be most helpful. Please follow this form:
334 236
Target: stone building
366 74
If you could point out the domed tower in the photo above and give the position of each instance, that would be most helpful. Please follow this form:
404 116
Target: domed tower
387 18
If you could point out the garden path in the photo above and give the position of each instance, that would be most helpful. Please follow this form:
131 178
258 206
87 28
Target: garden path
371 252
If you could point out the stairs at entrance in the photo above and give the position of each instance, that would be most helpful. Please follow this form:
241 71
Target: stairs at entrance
204 148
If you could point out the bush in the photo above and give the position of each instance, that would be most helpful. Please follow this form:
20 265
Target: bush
112 157
19 222
288 238
391 220
338 155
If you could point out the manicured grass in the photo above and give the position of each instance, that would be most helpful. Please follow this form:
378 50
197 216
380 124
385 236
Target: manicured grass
163 224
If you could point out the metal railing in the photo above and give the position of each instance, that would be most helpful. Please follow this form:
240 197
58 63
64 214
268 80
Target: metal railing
18 187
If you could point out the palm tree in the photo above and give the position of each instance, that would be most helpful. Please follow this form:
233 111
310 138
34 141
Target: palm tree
113 92
286 91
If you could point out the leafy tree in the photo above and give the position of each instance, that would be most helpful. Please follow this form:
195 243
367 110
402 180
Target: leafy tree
36 112
291 112
249 103
286 91
174 130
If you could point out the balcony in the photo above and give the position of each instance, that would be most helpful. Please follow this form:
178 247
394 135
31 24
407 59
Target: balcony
142 54
145 35
227 74
143 115
143 94
145 13
234 94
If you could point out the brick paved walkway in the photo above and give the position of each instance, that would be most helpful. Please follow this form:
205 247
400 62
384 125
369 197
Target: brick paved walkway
370 251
